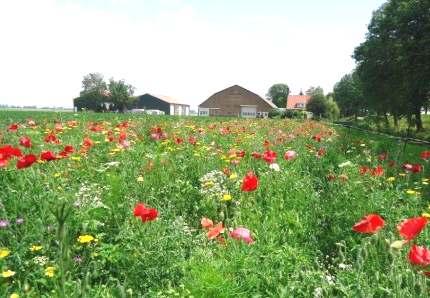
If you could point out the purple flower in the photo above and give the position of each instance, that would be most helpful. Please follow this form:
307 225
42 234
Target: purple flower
4 223
77 259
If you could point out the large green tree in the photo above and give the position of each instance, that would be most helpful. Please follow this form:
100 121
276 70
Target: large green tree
348 95
93 94
278 94
120 94
394 61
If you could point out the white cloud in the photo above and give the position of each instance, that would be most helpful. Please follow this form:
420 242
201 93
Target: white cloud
47 48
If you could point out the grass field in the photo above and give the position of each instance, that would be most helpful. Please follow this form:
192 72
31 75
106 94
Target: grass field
71 224
379 124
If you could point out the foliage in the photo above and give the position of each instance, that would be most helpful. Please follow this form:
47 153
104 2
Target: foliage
120 93
393 63
315 91
348 94
278 94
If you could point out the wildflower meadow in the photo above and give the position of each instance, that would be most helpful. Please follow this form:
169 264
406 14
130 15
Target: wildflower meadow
111 205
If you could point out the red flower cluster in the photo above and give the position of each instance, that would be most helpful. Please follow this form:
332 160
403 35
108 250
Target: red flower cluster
146 214
26 161
416 168
25 142
6 153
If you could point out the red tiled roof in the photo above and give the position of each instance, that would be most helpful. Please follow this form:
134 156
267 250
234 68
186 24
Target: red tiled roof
296 101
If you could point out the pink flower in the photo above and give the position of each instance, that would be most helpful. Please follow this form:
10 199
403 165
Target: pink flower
290 154
242 234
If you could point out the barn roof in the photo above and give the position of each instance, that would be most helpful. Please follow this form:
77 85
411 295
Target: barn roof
293 100
255 94
167 99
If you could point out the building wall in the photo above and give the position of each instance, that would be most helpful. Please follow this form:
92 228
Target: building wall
230 101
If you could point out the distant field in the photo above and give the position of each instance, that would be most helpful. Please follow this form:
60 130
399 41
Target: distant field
232 208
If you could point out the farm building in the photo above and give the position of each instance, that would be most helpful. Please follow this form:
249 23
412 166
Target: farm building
166 104
236 101
297 102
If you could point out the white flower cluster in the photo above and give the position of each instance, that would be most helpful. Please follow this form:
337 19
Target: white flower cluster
41 260
89 196
213 184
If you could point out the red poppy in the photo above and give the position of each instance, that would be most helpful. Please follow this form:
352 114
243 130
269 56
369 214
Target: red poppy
146 214
69 149
26 161
8 151
266 143
416 168
321 152
256 154
317 138
13 127
215 231
370 224
192 140
378 171
240 153
419 255
250 182
410 228
425 155
206 223
47 156
269 156
179 141
25 141
52 138
87 142
122 137
364 170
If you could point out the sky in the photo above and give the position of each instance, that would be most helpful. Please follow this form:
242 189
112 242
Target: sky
186 49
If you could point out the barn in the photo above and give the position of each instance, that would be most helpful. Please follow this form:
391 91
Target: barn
236 101
163 103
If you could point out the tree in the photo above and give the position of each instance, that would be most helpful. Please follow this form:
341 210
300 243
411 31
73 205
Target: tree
394 61
315 90
93 94
348 95
317 105
93 83
278 94
120 94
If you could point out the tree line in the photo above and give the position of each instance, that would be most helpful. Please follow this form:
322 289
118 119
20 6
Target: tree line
392 74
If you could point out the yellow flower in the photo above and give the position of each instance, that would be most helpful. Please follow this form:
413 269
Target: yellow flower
85 239
14 295
56 175
402 174
140 179
7 273
226 197
4 252
425 214
412 192
391 179
49 271
425 183
75 158
35 248
233 176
